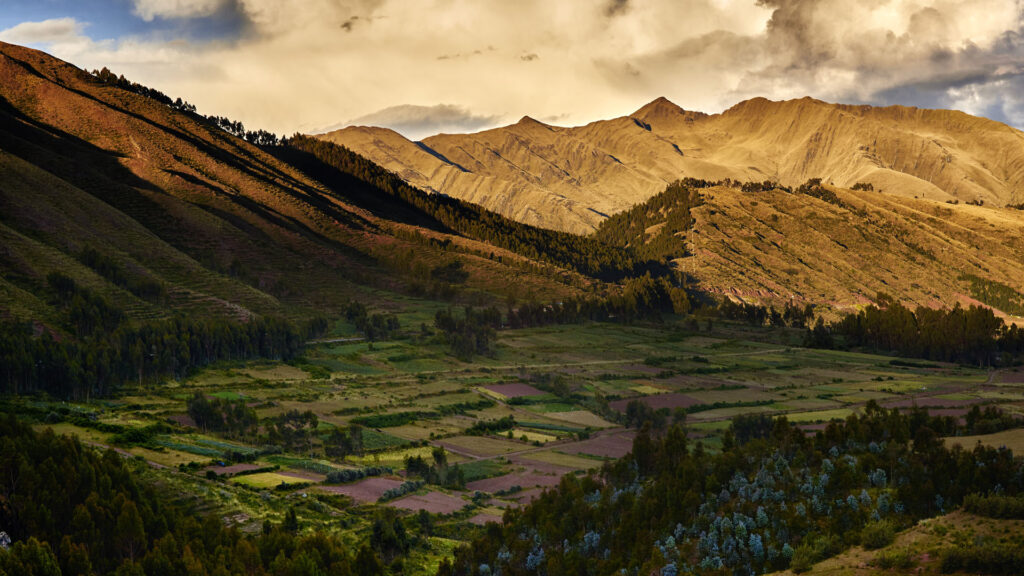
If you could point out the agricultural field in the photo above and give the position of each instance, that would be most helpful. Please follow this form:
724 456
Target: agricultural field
351 417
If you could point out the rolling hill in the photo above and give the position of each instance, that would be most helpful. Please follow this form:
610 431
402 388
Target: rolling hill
573 178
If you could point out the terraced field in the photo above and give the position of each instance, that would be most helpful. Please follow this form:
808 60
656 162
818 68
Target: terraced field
565 390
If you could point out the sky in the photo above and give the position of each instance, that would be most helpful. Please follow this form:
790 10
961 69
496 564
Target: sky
427 66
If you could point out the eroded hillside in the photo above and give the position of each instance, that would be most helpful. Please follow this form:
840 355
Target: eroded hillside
572 178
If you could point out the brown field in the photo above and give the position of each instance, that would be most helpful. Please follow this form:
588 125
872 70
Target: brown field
365 491
183 419
581 418
514 390
554 462
1012 439
1014 377
930 402
480 446
670 401
614 445
524 479
231 470
304 475
485 518
433 502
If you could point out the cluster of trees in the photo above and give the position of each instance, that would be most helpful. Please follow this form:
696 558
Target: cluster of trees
996 294
436 472
471 334
814 189
670 208
293 429
773 498
71 511
98 364
108 352
228 416
233 127
376 326
791 315
340 443
971 335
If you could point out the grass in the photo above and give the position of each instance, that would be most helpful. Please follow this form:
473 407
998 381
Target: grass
1012 439
265 480
561 459
819 416
481 469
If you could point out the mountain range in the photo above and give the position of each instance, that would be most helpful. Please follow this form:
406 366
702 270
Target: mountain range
910 202
573 178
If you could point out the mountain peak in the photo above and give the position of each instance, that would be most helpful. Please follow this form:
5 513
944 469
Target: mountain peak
658 108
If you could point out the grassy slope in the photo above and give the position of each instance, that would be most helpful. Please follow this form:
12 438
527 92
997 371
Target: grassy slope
923 543
772 247
229 229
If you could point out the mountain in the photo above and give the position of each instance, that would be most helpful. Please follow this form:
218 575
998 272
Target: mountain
159 211
837 247
573 178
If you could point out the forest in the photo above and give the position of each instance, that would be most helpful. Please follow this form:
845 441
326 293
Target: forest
107 351
773 498
75 512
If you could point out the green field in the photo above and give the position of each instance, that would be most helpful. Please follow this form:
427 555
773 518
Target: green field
580 369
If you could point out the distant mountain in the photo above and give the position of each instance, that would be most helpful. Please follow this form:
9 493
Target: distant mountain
573 178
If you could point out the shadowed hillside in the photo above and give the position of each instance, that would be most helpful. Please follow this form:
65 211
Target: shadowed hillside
572 178
118 191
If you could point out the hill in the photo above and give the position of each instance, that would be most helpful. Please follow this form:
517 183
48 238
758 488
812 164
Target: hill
573 178
121 192
831 246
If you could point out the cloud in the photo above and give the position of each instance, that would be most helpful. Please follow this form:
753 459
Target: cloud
302 65
177 9
417 122
57 30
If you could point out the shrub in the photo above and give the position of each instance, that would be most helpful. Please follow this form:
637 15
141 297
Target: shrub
896 558
877 535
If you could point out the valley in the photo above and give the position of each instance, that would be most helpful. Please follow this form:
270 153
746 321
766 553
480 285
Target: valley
783 337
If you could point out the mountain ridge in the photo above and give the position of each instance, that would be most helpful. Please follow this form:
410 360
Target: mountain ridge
563 178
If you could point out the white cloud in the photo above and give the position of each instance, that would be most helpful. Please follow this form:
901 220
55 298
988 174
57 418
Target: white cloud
304 65
417 122
150 9
57 30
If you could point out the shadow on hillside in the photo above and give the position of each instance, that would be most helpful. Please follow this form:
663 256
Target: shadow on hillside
358 192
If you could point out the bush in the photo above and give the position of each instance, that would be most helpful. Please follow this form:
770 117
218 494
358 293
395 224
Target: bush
988 558
877 535
897 558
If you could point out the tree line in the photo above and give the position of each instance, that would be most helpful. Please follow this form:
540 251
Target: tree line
107 352
973 335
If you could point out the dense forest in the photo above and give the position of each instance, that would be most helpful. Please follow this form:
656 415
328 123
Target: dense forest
773 498
971 335
68 510
101 350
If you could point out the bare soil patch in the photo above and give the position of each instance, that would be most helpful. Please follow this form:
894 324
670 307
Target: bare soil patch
231 470
606 446
365 491
670 401
433 502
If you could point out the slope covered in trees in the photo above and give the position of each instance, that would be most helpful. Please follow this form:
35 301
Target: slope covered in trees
70 511
773 498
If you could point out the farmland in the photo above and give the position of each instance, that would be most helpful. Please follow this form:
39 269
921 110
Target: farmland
564 393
